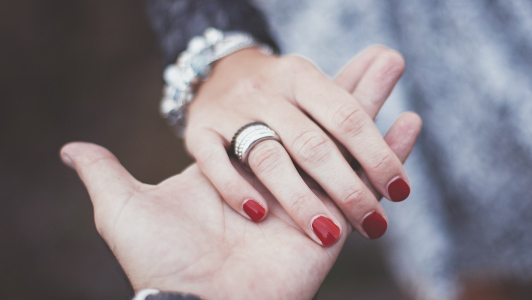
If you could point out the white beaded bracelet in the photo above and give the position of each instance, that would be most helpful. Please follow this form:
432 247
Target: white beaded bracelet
193 66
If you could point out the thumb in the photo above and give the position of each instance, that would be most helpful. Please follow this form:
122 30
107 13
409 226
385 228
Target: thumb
108 183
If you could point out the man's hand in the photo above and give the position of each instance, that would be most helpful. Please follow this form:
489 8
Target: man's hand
180 235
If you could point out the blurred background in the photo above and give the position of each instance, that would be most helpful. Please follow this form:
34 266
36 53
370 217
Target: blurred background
89 70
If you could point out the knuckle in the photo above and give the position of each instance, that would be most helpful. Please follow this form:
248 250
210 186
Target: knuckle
292 65
353 198
207 155
251 85
380 162
349 120
312 147
256 89
229 187
265 157
298 203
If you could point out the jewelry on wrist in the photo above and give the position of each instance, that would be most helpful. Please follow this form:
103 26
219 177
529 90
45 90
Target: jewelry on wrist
194 66
153 294
143 294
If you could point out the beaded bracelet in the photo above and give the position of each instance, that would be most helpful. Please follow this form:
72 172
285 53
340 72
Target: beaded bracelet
194 66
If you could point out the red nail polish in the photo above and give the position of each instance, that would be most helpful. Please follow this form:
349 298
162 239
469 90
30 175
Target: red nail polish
254 210
398 190
325 230
374 225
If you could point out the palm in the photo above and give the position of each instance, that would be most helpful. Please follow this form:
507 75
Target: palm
184 237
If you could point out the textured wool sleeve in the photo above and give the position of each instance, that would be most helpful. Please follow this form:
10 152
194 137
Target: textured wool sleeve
177 21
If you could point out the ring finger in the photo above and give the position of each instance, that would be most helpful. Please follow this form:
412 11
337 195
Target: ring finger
272 165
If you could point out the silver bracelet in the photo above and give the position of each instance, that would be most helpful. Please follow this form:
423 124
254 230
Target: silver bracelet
141 295
194 66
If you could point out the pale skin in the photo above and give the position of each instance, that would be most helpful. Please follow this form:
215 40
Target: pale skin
285 93
181 235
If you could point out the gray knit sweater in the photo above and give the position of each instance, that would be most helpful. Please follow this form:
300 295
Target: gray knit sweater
469 76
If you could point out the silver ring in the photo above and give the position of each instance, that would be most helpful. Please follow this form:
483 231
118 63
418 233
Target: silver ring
249 136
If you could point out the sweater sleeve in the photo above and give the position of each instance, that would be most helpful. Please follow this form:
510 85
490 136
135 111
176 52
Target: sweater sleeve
177 21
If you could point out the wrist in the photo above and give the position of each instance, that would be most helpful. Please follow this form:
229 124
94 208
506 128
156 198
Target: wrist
229 70
243 62
153 294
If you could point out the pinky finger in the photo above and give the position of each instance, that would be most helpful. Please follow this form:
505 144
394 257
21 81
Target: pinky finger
213 160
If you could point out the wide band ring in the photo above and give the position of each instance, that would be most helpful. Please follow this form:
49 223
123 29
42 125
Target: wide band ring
249 136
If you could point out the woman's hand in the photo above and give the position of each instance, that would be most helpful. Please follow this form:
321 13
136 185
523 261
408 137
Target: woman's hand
180 235
292 96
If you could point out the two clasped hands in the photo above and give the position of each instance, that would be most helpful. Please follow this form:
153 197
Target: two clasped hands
220 232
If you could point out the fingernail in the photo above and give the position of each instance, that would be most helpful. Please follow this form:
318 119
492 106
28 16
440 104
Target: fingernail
254 210
325 230
374 225
67 161
398 190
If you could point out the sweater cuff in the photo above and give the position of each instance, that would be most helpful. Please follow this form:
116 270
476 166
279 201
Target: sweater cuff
177 21
153 294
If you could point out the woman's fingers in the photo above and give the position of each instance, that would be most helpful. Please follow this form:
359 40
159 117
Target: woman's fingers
346 120
272 165
208 148
319 157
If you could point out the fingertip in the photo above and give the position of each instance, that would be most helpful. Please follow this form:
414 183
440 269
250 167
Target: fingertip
390 64
326 230
74 150
403 133
68 151
376 48
350 75
254 210
374 225
394 57
415 119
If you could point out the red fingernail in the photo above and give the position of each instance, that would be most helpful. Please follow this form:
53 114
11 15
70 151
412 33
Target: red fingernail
398 190
254 210
325 230
374 225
